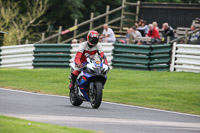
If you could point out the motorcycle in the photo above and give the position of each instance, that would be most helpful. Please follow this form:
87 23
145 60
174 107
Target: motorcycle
89 83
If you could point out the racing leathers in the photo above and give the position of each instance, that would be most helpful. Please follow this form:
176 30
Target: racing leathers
81 58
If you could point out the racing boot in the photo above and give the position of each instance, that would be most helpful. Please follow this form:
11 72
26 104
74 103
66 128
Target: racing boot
72 81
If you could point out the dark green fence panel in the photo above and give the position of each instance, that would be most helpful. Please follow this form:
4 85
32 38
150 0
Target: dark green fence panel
160 49
130 56
131 48
160 57
52 55
127 58
163 67
142 57
52 48
130 66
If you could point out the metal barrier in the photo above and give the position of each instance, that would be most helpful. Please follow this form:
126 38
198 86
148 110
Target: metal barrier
17 56
125 56
185 58
141 57
160 57
52 55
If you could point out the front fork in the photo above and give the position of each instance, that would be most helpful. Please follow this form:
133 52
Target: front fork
91 89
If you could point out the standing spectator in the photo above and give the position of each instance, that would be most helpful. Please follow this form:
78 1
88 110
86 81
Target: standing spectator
108 34
154 34
194 38
155 25
132 35
143 29
167 32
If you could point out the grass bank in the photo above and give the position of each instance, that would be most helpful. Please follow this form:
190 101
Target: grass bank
15 125
164 90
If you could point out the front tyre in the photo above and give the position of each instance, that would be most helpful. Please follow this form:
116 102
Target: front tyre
74 99
97 96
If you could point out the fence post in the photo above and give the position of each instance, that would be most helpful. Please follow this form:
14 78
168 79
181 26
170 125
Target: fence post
75 24
107 16
26 41
137 11
43 37
122 14
173 57
59 32
168 39
91 18
186 36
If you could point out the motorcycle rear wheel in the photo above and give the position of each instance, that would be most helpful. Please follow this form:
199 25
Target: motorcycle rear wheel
74 99
97 97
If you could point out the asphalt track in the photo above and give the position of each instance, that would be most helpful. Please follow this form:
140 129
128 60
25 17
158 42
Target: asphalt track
109 118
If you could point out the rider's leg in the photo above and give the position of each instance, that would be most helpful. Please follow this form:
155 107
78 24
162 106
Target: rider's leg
74 75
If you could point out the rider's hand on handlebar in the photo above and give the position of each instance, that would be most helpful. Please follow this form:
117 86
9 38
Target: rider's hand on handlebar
80 65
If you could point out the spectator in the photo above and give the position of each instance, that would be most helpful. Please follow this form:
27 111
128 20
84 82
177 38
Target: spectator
81 40
143 29
154 34
74 41
127 35
194 38
139 23
155 25
132 35
167 32
108 34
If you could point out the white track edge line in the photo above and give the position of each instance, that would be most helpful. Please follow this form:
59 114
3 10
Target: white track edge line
133 106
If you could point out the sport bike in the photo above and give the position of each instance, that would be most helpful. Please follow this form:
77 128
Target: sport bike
90 82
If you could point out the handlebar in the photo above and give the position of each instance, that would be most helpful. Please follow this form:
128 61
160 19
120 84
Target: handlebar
88 56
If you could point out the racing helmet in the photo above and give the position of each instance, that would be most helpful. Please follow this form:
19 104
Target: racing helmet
93 38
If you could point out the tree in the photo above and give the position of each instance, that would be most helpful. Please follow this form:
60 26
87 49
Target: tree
17 18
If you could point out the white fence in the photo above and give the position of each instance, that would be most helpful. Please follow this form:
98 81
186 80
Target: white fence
20 56
185 57
107 49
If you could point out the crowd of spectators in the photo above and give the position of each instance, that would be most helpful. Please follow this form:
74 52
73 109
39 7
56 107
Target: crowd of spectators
151 30
141 29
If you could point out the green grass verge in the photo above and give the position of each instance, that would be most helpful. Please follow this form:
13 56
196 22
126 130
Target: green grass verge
177 91
15 125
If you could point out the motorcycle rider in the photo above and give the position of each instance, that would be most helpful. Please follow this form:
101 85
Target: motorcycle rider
91 47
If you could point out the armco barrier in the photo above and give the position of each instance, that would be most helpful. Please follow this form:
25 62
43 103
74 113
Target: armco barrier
125 56
20 56
52 55
129 56
141 57
185 58
160 57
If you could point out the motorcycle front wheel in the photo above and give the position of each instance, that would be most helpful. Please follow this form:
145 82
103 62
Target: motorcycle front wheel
96 98
74 99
